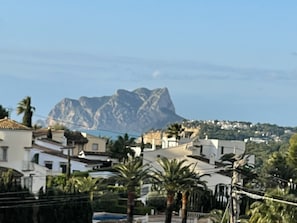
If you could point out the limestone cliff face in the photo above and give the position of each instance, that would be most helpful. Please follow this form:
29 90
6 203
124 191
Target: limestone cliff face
125 111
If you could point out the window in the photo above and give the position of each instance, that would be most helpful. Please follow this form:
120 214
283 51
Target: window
222 150
35 158
48 164
63 167
95 146
201 149
3 153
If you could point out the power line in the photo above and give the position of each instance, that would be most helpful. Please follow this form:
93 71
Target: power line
81 195
264 197
42 203
79 125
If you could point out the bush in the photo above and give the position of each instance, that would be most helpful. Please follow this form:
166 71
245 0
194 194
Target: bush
157 201
111 202
106 202
80 174
142 210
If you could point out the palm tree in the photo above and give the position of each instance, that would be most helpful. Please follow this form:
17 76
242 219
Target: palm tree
174 130
191 182
218 216
121 148
24 107
270 210
131 174
171 179
87 184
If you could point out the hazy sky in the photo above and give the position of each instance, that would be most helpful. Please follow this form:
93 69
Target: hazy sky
225 60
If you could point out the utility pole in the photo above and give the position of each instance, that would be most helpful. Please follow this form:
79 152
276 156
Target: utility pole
234 206
68 171
234 202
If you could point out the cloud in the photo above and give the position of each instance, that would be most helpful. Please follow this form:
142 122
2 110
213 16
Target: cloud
156 74
55 65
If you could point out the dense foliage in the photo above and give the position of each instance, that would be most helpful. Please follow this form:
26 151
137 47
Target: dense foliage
121 147
3 112
274 174
16 203
174 130
234 130
65 200
277 180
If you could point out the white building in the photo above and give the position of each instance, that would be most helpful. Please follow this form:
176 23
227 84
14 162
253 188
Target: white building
56 157
15 148
211 150
205 154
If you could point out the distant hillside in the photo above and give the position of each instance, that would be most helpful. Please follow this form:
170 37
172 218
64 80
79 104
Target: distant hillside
238 130
126 111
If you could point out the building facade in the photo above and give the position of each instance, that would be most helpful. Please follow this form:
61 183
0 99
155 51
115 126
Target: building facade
15 148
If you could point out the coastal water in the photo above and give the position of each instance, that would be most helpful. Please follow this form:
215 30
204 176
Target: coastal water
109 134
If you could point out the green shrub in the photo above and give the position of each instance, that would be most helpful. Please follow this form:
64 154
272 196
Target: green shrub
156 201
142 210
80 174
106 202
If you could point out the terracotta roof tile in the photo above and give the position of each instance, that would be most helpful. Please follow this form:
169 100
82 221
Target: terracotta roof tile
7 123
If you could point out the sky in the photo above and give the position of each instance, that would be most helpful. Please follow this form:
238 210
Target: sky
220 60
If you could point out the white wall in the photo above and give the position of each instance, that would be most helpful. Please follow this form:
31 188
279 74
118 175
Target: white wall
17 141
169 142
182 152
212 148
19 144
56 147
56 160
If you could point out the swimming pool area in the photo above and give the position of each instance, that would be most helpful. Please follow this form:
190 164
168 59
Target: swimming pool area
103 216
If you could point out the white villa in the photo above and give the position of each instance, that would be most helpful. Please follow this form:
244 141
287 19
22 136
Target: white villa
55 153
205 154
33 158
15 148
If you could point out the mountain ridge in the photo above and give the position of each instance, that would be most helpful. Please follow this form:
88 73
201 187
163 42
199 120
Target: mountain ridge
139 110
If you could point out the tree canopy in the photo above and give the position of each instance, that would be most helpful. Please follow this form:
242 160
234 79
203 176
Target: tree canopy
131 174
292 152
121 148
174 130
3 112
172 178
25 108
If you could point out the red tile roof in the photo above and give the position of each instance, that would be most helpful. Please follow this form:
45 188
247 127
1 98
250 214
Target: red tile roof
7 123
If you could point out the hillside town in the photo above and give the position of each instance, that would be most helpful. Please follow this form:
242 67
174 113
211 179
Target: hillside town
178 172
